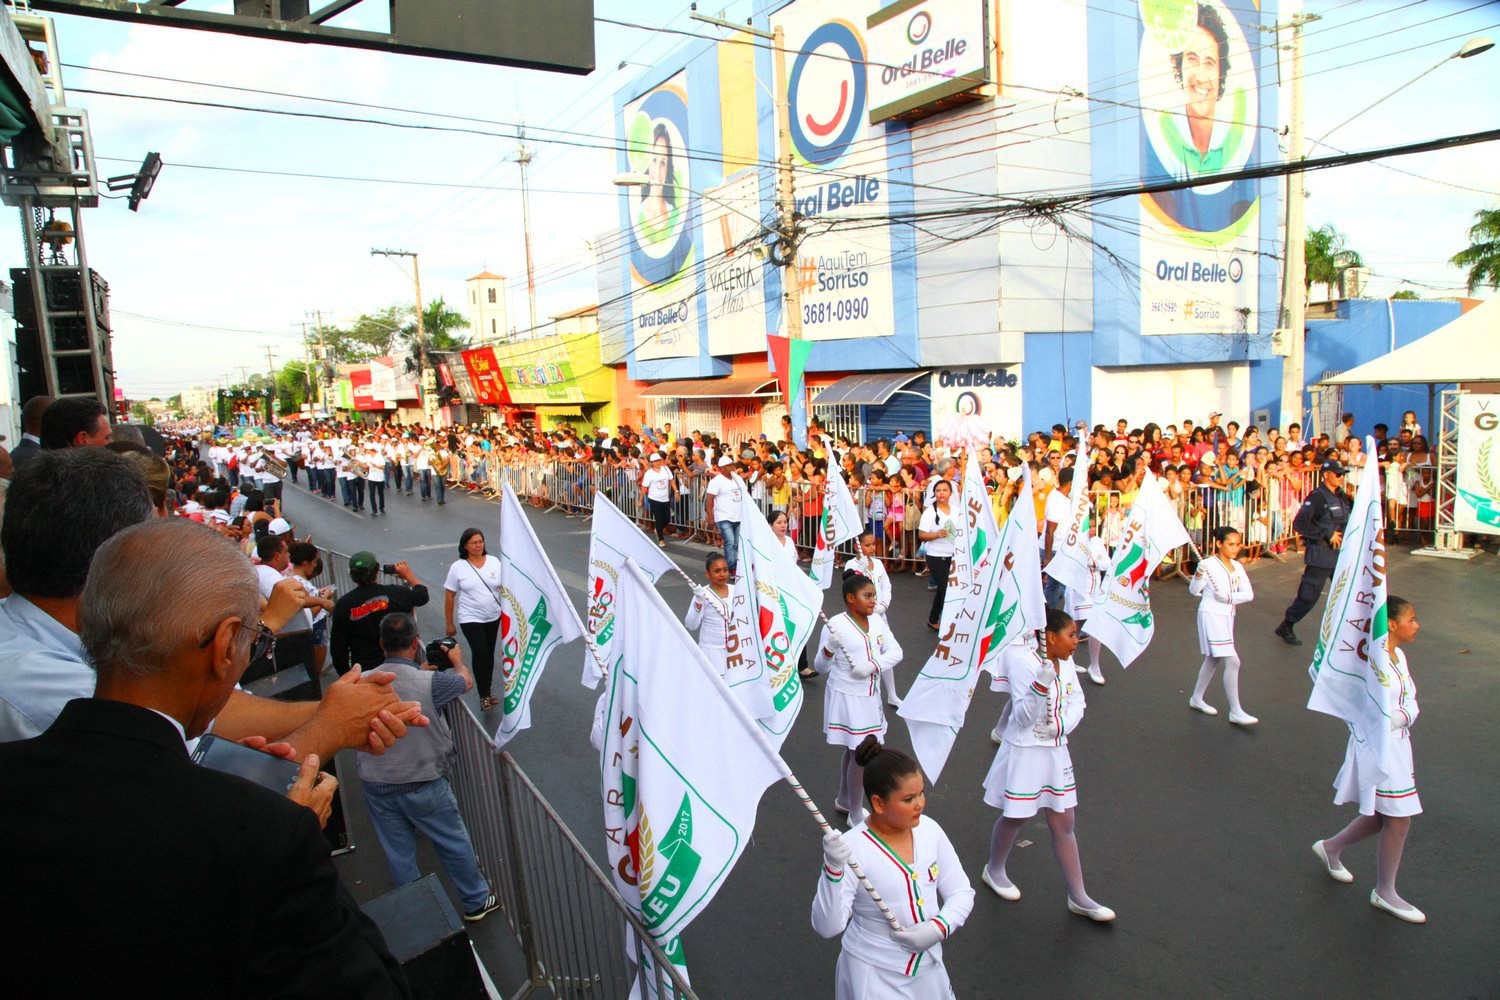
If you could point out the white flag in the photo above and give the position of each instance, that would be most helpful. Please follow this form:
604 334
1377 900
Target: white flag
535 616
1071 564
994 596
772 609
680 779
1124 622
1351 669
614 536
839 522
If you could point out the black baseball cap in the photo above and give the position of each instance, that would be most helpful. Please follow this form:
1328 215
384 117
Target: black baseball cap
1334 467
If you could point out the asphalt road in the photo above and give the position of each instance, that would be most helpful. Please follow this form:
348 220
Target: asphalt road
1195 831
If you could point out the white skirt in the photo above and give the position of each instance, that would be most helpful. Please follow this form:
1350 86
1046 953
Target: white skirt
856 980
1216 635
1397 798
849 718
718 656
1023 780
1078 606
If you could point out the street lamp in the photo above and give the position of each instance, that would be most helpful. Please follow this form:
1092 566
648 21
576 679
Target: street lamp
633 180
1469 49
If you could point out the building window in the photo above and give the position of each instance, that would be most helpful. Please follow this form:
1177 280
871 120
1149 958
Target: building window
473 297
492 326
492 296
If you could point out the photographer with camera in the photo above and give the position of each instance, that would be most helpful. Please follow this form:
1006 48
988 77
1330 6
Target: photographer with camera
407 790
355 635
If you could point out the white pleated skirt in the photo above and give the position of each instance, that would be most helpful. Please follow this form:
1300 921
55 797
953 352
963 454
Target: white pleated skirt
1216 635
1024 780
849 718
1395 796
856 980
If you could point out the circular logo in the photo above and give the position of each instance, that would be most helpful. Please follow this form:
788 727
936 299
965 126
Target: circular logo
827 92
967 404
1236 269
656 148
919 27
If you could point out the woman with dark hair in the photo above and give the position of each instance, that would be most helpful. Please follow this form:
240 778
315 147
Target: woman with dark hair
1033 769
938 528
472 603
710 611
912 864
659 194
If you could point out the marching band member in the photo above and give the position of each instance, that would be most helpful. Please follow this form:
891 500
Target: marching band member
1387 811
1223 584
1033 769
710 609
854 649
868 564
912 864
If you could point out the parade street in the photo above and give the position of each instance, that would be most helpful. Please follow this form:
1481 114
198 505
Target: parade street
1197 832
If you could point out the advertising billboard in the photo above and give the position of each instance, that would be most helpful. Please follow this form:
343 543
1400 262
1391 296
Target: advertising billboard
735 273
664 280
1198 97
922 51
1478 506
484 375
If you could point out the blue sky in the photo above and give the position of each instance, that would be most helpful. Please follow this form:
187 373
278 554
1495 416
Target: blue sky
218 264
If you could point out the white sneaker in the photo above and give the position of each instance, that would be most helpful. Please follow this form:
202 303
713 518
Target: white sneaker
1202 706
1242 719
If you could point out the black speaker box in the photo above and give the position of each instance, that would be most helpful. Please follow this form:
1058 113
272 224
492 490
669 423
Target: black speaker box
427 937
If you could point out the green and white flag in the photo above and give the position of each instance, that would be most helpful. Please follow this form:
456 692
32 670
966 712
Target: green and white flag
839 522
535 616
1071 564
1351 666
1124 622
681 779
772 609
994 596
614 536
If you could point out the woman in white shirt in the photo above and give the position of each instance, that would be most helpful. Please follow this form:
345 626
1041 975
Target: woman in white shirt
1033 769
937 529
472 603
1223 585
868 564
658 484
910 861
709 610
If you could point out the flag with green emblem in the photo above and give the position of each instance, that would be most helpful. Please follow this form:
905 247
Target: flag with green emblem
536 616
680 780
1124 622
839 522
994 595
613 538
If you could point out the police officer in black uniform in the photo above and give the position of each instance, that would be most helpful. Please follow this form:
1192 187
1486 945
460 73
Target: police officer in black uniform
1321 523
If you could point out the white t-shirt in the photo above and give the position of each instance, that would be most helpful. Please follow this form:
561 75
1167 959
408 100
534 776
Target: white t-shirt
1059 507
267 578
476 590
376 465
935 520
728 498
658 484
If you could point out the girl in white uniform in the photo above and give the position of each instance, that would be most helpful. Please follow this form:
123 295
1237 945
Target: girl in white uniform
1223 584
854 649
868 564
911 863
1383 811
1033 769
709 610
1080 606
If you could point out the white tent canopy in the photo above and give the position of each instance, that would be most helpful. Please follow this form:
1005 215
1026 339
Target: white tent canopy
1465 350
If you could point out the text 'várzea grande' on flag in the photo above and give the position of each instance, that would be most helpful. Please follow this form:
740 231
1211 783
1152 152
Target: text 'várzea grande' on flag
1070 564
681 774
994 596
1124 623
613 537
839 522
535 616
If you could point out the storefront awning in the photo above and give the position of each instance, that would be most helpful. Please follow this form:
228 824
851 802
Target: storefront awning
732 387
559 410
868 390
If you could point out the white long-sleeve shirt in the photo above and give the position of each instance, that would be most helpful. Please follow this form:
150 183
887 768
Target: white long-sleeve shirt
706 613
853 657
1048 695
1221 588
875 570
932 887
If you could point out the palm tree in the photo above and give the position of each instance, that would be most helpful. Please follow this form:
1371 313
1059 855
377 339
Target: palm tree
1327 258
1482 257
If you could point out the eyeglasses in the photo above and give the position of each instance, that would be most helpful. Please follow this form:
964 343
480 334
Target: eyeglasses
265 640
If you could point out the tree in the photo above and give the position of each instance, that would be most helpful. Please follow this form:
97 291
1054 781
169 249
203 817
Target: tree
1406 293
292 389
441 325
175 402
1327 257
1482 257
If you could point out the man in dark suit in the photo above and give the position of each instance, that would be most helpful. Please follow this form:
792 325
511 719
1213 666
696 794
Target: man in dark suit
31 430
135 872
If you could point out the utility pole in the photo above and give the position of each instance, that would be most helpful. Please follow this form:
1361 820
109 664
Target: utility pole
523 157
1293 277
416 273
324 365
271 378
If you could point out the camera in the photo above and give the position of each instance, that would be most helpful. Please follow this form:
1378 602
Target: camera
388 568
437 652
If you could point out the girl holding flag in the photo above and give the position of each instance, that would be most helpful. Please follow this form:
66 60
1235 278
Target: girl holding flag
1224 586
912 864
1033 769
854 649
709 611
1387 811
868 564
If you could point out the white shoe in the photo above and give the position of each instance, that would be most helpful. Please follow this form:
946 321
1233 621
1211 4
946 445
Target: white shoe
1095 674
1006 892
1336 872
1242 719
997 737
1102 914
856 818
1411 914
893 701
1202 706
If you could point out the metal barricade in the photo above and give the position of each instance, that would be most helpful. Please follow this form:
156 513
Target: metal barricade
579 938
